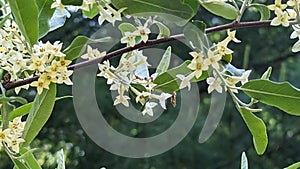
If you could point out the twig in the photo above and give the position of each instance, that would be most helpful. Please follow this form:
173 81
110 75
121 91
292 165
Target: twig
232 25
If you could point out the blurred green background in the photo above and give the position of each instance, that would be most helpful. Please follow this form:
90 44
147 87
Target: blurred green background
260 48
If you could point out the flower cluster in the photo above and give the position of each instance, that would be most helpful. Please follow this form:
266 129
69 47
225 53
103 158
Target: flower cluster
50 65
132 70
21 61
286 14
210 60
11 136
106 12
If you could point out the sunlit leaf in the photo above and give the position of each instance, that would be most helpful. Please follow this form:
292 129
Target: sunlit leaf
257 128
281 95
126 27
263 10
179 11
45 15
29 159
39 114
94 11
164 31
221 8
293 166
26 15
165 61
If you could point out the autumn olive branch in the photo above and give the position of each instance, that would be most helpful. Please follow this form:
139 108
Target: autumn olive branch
232 25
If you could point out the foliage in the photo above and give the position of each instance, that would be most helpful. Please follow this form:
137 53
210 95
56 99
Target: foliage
47 64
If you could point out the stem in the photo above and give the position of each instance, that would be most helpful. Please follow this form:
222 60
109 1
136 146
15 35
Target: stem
231 25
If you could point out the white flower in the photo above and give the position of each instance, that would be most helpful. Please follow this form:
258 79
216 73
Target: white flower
231 36
162 98
214 84
148 108
212 59
122 99
129 38
104 15
14 143
282 18
116 14
64 77
58 4
92 53
143 32
198 66
185 81
141 96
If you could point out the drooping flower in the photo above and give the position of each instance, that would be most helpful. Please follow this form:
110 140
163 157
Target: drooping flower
149 108
214 84
162 98
185 80
122 99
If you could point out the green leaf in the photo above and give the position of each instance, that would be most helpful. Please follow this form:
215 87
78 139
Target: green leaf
165 61
78 46
45 15
221 9
164 31
20 111
126 27
281 95
19 164
39 114
257 128
227 58
30 159
200 24
168 82
94 11
293 166
179 11
24 109
72 2
194 33
26 15
263 10
244 161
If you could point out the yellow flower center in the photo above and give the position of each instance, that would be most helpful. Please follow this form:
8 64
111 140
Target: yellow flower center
199 66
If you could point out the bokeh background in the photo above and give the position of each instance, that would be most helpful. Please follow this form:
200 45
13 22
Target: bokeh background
261 47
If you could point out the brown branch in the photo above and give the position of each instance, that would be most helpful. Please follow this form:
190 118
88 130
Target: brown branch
233 25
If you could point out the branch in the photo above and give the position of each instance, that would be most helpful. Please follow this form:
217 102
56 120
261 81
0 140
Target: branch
233 25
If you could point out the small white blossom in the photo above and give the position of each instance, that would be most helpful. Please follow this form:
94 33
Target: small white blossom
185 80
129 38
149 108
214 84
122 99
162 98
